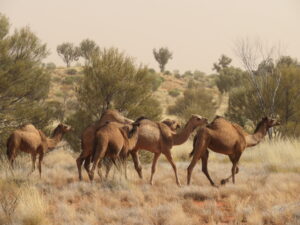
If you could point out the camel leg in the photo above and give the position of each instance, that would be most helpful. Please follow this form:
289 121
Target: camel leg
33 159
170 159
41 155
156 156
79 162
200 150
235 169
108 167
137 164
99 155
204 159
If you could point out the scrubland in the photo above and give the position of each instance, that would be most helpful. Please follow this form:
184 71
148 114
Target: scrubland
267 191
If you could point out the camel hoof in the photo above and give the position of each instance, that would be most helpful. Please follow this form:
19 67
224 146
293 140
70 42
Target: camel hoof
223 182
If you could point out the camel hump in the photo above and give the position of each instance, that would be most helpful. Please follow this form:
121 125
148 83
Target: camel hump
165 132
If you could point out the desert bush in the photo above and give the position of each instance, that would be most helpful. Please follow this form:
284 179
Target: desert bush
71 80
71 71
196 100
174 92
51 66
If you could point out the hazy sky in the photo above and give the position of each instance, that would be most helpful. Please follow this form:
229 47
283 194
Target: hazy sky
196 31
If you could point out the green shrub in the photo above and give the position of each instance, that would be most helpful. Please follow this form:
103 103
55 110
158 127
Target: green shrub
71 71
174 92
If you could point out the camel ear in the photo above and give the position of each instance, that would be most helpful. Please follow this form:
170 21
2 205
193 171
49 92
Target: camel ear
265 118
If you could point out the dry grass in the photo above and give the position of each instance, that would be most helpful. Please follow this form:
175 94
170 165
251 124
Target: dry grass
267 191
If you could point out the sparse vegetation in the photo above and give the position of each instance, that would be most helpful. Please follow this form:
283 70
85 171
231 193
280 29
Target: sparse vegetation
174 92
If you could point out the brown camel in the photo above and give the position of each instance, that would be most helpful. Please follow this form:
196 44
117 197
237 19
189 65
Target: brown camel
159 138
227 138
172 124
33 141
113 139
88 137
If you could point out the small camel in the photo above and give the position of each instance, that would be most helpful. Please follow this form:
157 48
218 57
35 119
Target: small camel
33 141
113 139
159 138
227 138
88 137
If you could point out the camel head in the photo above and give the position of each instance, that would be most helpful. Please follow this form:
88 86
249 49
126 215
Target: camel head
173 124
270 122
61 128
267 123
197 121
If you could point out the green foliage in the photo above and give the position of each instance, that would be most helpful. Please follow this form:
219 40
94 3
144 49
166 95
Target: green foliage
244 105
174 92
228 77
69 80
157 80
196 100
71 71
4 25
162 56
112 80
88 48
24 81
51 66
68 52
167 72
222 63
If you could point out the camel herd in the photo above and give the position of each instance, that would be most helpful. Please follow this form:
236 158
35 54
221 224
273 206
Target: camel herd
115 137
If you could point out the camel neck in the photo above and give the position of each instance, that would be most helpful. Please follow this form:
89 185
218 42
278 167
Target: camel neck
256 138
183 135
52 142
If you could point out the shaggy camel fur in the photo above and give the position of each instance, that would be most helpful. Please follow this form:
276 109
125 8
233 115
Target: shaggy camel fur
33 141
159 138
113 139
88 137
227 138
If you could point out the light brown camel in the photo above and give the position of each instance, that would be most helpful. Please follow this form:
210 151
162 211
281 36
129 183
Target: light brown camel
88 137
33 141
159 138
172 124
113 139
227 138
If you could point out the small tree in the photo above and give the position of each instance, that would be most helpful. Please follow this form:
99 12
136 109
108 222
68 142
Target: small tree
195 100
68 52
24 81
112 80
88 48
162 56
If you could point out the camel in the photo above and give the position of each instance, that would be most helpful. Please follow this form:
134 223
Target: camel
113 139
88 137
159 138
227 138
172 124
33 141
